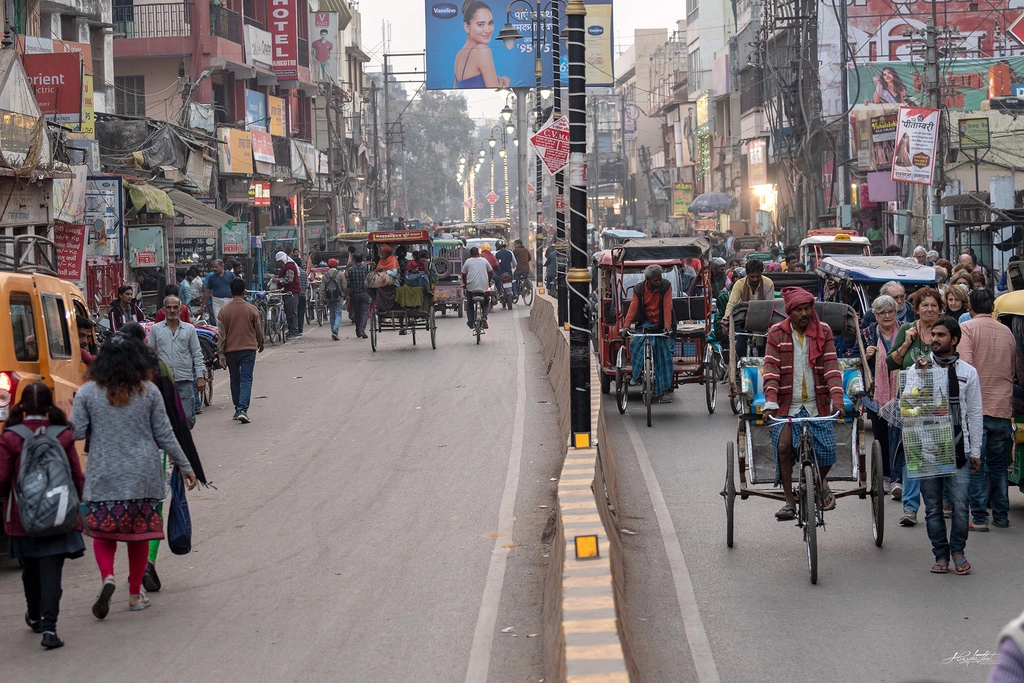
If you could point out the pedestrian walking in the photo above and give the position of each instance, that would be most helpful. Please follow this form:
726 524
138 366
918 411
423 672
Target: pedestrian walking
288 279
217 289
175 291
124 309
879 337
303 289
42 557
358 297
176 343
332 291
965 410
239 339
990 348
124 479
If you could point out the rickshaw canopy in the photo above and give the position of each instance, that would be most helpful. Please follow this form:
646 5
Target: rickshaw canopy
1010 304
662 249
877 269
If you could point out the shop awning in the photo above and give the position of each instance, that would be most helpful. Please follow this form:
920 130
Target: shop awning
193 208
150 198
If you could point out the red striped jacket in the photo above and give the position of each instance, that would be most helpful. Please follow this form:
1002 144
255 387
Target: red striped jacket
778 371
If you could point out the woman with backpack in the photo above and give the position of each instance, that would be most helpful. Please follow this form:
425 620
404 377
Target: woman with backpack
124 478
42 557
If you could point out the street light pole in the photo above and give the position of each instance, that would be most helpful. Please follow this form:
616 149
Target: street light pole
578 278
556 82
524 198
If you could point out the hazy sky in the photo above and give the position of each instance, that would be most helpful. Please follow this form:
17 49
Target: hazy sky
406 19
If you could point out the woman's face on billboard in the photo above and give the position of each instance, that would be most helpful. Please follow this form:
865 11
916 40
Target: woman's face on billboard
481 27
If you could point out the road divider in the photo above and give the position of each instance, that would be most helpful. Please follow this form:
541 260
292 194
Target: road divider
584 638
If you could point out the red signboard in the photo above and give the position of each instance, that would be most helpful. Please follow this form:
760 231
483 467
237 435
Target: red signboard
559 202
145 258
57 80
70 241
491 198
262 146
1016 29
284 33
259 192
551 143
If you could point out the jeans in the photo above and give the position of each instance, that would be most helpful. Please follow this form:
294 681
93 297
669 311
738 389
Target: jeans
988 488
334 311
240 366
186 392
359 302
195 395
41 577
955 486
291 305
471 309
911 487
300 314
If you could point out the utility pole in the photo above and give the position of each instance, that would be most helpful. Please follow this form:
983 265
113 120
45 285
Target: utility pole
840 167
521 173
579 277
556 84
375 186
387 139
932 50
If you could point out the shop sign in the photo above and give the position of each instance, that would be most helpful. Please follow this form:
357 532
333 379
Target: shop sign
275 107
259 193
70 239
262 146
284 30
57 80
236 152
258 50
195 240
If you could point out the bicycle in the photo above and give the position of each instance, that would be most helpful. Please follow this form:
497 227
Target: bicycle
274 325
622 364
809 512
476 300
524 288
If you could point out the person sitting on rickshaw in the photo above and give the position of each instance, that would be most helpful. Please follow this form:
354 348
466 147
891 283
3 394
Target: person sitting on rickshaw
651 311
802 379
387 261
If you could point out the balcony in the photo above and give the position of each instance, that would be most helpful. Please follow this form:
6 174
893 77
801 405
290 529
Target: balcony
225 24
157 20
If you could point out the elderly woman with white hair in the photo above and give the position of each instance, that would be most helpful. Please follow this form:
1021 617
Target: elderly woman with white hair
651 312
879 337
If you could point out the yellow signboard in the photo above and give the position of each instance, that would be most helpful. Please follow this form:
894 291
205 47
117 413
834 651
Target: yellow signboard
275 109
236 151
88 125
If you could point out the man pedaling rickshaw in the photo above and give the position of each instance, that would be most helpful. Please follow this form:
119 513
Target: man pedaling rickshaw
802 379
651 310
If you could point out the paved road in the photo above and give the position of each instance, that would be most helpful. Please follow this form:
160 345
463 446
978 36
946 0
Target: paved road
875 615
354 534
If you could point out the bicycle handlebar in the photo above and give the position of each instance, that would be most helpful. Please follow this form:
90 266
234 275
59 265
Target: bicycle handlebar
648 334
834 417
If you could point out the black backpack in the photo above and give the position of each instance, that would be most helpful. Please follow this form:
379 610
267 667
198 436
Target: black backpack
332 290
46 494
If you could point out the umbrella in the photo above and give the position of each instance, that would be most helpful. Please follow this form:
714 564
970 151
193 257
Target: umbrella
713 201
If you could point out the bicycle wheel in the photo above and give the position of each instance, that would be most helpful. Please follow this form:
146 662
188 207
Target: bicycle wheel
208 390
809 512
710 381
433 330
320 315
621 388
648 381
730 491
373 332
527 293
877 495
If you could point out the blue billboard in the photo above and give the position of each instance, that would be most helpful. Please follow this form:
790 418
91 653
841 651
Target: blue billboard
463 51
255 110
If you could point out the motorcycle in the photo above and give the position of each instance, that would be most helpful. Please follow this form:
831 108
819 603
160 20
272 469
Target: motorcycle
505 291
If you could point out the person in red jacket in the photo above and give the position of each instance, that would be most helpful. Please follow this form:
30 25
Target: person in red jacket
42 557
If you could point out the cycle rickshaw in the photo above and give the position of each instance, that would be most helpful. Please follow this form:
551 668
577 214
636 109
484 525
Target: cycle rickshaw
753 455
696 360
402 307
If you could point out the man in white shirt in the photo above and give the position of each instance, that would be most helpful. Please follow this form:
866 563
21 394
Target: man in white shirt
177 344
476 276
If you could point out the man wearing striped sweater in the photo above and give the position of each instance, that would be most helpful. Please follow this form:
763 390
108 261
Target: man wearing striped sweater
802 379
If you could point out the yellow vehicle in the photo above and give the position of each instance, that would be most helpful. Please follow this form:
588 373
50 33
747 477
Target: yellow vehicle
38 328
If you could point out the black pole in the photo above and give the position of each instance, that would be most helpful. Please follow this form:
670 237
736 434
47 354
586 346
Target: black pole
556 83
578 278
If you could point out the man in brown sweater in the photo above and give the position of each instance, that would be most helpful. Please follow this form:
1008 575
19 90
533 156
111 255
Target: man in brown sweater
240 337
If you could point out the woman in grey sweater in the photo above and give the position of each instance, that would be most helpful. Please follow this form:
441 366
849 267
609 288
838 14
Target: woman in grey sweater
123 415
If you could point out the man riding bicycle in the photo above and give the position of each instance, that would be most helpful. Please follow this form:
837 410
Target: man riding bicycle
523 260
651 309
802 379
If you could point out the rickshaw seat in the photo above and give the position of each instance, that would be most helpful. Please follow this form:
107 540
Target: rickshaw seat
688 308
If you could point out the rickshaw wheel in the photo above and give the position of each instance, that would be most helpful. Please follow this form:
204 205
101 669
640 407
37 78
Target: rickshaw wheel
648 388
373 333
606 381
710 381
810 519
730 491
877 495
734 404
458 309
621 389
433 330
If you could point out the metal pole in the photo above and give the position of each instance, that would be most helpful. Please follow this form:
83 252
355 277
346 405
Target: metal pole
472 192
504 156
492 183
843 171
556 82
387 143
579 277
521 174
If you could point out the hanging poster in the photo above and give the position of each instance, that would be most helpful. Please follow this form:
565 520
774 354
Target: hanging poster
917 133
682 197
883 139
103 215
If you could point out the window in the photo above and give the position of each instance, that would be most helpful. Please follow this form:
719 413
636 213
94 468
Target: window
692 9
130 95
694 76
57 335
23 327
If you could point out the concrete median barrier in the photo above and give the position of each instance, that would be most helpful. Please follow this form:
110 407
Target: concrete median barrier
584 640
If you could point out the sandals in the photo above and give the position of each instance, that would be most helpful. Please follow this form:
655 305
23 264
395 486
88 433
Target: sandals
786 514
664 398
142 604
940 567
828 499
961 567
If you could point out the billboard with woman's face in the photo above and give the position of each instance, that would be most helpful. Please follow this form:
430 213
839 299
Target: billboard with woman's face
463 51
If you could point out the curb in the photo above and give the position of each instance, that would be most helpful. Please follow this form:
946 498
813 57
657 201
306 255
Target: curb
582 631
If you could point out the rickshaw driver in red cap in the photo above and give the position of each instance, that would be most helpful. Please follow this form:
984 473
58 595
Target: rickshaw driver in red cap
802 379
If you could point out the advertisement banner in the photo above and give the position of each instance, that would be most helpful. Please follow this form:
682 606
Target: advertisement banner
103 214
258 50
68 196
88 125
682 197
965 82
146 246
263 146
57 80
236 151
757 162
284 31
275 107
323 61
917 133
259 193
255 110
70 239
883 139
190 242
234 238
974 133
463 52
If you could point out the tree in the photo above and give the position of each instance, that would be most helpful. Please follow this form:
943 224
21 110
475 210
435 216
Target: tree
437 131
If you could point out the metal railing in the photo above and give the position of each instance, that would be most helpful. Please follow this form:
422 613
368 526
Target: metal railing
157 20
225 24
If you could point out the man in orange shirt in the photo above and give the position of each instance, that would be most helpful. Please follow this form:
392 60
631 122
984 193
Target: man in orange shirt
651 311
989 346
